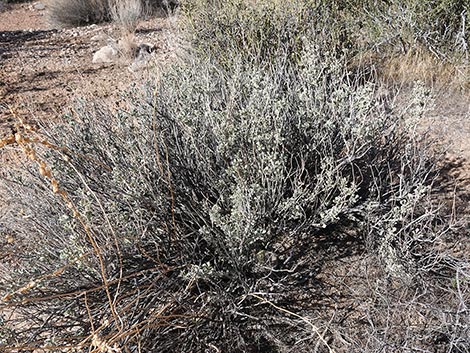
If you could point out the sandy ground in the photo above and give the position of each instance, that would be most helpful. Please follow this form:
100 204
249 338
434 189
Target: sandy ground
43 69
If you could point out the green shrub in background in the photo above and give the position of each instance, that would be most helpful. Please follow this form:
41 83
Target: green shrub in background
440 26
259 28
261 31
262 28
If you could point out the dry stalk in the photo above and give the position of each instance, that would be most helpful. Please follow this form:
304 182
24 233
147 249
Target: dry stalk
26 144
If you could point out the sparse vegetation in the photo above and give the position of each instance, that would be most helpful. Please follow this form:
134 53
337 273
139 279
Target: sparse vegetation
260 196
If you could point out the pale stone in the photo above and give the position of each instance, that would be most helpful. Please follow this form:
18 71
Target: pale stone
39 6
106 54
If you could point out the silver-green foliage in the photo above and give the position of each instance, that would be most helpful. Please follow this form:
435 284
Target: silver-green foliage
207 170
238 159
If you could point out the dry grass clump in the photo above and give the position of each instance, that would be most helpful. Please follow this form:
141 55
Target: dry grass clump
126 13
425 67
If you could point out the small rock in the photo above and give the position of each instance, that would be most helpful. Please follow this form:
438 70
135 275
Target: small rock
106 54
39 6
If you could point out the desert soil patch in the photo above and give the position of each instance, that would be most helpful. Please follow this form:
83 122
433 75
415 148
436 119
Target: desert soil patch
44 69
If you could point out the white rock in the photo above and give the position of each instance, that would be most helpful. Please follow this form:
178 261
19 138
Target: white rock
106 54
39 6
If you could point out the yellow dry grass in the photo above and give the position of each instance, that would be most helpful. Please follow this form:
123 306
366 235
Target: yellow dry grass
426 67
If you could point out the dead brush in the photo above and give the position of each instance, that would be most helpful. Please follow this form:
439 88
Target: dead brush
127 45
24 138
126 14
37 292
